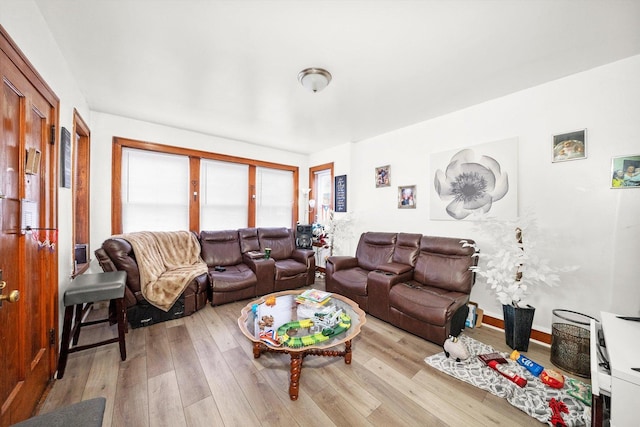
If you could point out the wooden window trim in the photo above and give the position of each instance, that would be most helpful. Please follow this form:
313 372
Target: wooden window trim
81 195
312 186
195 156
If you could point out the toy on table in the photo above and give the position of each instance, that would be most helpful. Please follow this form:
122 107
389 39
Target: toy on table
495 362
455 349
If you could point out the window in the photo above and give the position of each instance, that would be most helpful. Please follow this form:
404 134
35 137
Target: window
321 196
155 191
160 187
274 198
224 195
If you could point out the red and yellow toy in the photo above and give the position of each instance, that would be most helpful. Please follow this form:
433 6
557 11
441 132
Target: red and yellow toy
552 378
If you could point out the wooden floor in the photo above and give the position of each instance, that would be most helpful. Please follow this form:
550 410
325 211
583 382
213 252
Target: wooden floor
200 371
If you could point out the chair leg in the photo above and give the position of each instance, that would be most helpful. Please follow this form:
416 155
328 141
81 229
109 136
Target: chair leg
78 322
66 338
122 327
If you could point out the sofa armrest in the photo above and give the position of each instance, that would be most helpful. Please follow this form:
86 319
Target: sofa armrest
342 262
379 284
264 269
394 268
303 255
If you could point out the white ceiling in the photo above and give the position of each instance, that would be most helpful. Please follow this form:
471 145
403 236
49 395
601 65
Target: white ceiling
229 68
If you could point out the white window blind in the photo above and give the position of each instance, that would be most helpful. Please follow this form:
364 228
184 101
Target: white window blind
155 191
274 197
224 188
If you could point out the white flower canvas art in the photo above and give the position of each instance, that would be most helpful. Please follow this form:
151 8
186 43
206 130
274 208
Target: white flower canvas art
482 179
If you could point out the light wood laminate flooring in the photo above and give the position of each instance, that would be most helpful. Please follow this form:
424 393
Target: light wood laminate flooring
200 371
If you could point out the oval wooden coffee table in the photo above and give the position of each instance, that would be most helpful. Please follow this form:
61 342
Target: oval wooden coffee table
275 323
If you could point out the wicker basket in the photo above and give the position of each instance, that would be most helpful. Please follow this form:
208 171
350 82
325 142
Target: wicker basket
570 342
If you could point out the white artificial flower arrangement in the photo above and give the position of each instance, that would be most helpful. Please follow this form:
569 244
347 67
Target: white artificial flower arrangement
339 231
512 263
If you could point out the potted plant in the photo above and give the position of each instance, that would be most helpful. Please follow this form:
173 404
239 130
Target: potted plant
512 266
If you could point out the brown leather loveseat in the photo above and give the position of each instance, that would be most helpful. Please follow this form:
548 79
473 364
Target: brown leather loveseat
239 270
418 283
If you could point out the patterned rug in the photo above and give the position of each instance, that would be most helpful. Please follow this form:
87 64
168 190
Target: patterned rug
533 398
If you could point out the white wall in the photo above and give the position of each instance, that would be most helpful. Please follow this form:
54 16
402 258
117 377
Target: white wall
588 224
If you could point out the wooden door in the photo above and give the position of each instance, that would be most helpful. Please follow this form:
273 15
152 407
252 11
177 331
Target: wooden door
27 189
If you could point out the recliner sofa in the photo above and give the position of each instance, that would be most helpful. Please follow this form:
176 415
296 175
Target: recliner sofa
418 283
244 272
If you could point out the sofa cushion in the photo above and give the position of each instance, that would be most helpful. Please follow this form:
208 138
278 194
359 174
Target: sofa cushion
235 277
426 303
249 240
353 280
374 249
280 240
220 247
288 267
407 248
444 263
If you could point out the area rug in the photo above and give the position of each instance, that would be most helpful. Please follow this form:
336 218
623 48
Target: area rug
533 398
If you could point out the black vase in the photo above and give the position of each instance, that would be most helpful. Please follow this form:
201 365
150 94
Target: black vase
517 325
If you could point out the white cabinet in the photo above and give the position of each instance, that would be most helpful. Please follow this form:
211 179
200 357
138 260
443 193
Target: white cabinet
622 338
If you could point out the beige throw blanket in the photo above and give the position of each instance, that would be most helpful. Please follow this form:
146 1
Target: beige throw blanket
167 261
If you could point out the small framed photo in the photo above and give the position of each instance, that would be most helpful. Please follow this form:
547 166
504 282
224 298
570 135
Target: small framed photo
407 197
625 172
383 176
570 146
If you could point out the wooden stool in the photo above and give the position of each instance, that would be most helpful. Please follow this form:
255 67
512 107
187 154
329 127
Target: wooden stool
85 290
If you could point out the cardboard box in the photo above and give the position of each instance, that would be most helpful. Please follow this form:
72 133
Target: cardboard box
474 318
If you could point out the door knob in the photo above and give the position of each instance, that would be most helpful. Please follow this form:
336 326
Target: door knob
12 297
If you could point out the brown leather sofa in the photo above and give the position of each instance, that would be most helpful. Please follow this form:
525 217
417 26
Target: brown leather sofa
242 271
418 283
116 254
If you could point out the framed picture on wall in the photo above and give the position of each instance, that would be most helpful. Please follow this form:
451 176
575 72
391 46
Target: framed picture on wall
570 146
625 172
383 176
407 197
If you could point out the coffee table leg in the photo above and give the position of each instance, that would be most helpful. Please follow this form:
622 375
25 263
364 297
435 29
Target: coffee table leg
296 367
347 352
256 350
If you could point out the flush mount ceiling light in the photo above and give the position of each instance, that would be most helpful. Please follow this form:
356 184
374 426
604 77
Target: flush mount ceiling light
314 79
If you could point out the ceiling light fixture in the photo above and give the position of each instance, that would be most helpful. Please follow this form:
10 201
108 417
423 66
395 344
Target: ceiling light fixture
314 79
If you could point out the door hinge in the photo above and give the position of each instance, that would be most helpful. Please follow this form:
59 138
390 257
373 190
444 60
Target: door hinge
52 140
52 337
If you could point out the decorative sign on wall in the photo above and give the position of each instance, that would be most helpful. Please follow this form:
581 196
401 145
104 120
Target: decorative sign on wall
479 179
65 159
341 193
